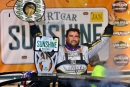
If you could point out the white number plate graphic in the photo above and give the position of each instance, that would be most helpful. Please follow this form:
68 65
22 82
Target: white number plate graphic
17 43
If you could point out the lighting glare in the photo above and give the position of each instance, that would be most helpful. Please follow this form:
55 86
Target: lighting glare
129 2
85 4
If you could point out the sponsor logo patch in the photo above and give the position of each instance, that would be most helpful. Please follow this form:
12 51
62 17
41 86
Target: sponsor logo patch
121 33
121 59
120 45
121 22
120 6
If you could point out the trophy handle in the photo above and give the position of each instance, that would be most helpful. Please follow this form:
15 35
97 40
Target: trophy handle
29 10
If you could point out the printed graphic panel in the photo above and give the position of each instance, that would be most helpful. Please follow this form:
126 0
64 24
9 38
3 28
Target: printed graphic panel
17 43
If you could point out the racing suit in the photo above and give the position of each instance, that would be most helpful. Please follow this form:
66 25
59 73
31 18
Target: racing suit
75 61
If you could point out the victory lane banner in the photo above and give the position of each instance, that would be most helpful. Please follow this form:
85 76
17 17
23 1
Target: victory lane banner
17 42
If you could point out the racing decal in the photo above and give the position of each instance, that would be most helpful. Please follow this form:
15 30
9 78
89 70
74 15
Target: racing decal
121 33
121 22
121 60
121 45
120 6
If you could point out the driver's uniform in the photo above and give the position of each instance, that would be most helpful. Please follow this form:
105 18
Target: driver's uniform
75 61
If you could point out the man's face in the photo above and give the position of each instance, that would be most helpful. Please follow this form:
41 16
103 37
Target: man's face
73 39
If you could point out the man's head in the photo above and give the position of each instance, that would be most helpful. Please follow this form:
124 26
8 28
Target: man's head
73 37
95 60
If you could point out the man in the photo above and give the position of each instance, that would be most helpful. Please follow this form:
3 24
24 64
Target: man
99 69
73 58
99 66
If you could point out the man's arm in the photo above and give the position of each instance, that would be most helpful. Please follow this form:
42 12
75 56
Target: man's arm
99 44
34 30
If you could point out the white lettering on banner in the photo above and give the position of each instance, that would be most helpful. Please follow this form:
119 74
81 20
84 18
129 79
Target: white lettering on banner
56 15
74 68
17 42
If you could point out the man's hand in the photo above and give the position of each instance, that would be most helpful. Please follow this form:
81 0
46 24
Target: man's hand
112 18
31 23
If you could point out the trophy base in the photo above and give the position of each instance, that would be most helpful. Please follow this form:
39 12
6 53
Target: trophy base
46 74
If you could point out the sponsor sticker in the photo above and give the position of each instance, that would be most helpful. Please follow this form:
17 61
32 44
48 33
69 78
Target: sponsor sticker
120 6
121 22
121 33
121 45
121 60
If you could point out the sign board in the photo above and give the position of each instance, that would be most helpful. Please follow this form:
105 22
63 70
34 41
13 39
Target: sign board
46 44
17 43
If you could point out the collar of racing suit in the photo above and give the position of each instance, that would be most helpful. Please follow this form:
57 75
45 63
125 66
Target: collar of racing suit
72 49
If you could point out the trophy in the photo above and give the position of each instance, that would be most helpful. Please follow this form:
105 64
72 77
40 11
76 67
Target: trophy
29 10
45 54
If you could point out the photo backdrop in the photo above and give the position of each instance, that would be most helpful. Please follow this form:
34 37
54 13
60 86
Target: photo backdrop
16 43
